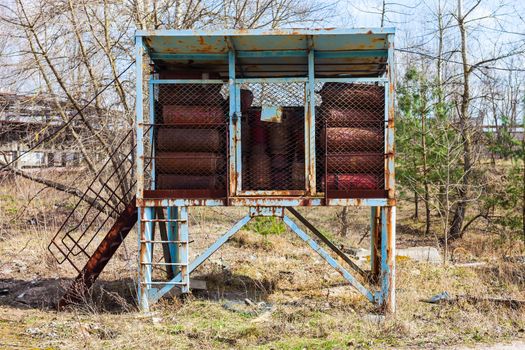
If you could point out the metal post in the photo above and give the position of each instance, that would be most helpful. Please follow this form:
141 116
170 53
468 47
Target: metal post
388 261
375 243
145 267
183 249
173 235
389 120
139 126
310 123
233 130
151 99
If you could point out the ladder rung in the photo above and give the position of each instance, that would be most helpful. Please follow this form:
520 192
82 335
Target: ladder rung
164 264
156 241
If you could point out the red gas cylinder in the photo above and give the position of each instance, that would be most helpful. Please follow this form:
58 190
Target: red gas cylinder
279 137
360 96
352 181
246 100
189 140
354 139
258 130
200 115
188 163
298 179
191 94
281 179
186 182
260 169
335 116
355 163
280 160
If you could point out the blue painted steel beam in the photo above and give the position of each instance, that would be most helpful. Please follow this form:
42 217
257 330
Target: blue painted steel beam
186 81
351 54
243 32
151 99
139 111
190 56
234 133
267 211
201 258
389 118
272 80
331 261
352 80
268 54
173 235
386 296
183 253
309 132
271 202
145 268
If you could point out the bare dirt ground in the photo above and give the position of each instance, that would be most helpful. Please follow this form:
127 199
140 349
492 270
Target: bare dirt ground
295 300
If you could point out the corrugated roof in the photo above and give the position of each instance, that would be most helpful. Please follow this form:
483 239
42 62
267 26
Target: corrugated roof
278 52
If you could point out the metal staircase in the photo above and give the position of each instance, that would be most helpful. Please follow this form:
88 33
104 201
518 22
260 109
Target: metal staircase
107 206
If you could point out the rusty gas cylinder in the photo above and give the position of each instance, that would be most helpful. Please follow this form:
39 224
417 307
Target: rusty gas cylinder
258 132
298 179
245 136
191 94
195 115
246 100
278 136
352 181
280 160
186 182
260 169
281 179
189 140
347 117
189 163
355 163
359 96
353 139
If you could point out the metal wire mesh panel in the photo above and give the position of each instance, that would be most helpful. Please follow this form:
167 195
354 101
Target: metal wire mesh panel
350 140
190 135
273 138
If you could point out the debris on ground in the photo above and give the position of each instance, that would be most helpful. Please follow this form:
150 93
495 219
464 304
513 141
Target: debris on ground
247 307
439 298
445 297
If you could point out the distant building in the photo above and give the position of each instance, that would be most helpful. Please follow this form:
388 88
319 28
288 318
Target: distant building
26 119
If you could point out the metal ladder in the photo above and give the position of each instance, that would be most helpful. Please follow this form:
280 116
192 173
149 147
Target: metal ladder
174 238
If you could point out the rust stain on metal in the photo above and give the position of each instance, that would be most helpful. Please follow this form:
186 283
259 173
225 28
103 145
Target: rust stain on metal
98 261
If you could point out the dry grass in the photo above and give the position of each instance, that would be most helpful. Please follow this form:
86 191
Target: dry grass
302 302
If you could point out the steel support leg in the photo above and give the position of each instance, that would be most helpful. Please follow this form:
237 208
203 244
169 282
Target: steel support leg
388 259
184 249
173 235
375 243
319 250
146 214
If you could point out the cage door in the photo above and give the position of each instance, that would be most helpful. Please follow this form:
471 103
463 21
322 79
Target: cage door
272 138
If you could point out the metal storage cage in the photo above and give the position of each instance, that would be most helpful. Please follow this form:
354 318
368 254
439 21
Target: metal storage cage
270 120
